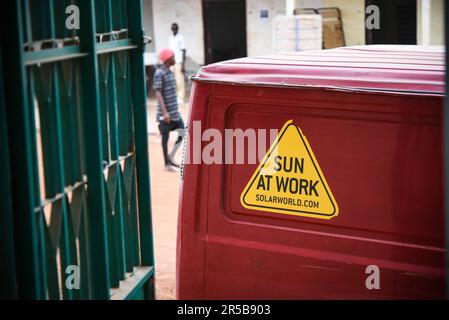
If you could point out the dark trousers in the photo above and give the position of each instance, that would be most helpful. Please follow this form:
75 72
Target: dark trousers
165 129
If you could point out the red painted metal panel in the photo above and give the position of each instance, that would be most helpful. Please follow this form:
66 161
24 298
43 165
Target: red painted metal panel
381 155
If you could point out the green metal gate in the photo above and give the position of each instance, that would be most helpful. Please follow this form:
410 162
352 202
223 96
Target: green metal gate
74 174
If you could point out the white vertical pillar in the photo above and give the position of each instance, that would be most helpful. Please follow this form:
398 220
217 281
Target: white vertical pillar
290 7
425 22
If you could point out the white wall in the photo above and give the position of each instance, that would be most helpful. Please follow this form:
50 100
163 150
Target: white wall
309 3
436 22
259 33
188 14
147 8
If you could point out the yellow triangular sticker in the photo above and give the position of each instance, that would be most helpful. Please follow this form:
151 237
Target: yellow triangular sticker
289 180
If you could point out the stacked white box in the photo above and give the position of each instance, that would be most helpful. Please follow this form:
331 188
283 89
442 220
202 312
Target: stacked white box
297 33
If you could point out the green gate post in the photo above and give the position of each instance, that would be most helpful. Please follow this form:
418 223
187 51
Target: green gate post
141 134
141 131
22 179
99 260
79 184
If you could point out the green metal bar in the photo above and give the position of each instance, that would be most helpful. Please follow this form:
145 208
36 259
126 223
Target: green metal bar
113 258
43 80
22 186
85 287
82 229
108 15
50 258
127 229
59 169
53 55
133 223
59 196
75 151
60 18
104 98
100 16
39 218
119 14
40 222
96 217
27 33
145 279
111 187
115 155
49 6
149 288
121 227
8 287
128 115
124 146
141 133
115 15
43 25
123 104
72 254
113 163
32 124
78 129
71 161
66 70
113 46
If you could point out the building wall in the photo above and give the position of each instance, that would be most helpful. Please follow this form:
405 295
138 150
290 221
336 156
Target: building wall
188 14
353 13
436 22
259 32
147 10
308 3
259 35
353 16
159 14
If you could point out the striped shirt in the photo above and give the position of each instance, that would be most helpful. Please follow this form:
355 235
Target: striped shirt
164 81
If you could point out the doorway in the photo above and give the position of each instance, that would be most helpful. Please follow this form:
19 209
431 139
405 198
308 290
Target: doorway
224 29
397 22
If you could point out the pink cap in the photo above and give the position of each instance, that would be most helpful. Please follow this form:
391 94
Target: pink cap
166 54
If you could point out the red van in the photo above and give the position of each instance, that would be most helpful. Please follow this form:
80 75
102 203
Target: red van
346 199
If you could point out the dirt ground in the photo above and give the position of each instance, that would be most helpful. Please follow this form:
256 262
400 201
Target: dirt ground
164 195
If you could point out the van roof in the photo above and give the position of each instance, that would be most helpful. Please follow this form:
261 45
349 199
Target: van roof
386 68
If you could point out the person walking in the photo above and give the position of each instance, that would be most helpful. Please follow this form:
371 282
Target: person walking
177 44
168 114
